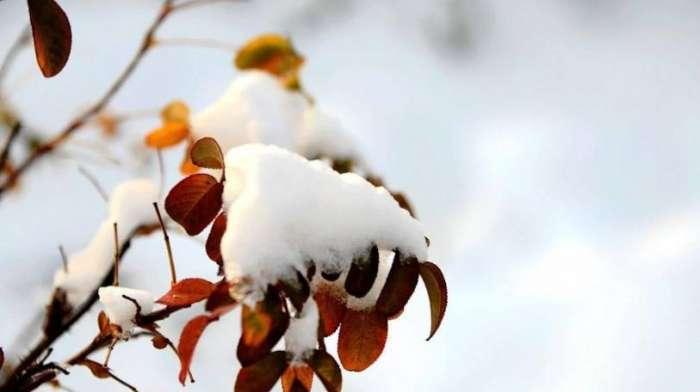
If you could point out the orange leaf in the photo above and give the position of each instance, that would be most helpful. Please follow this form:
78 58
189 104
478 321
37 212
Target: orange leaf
327 370
262 327
52 35
213 245
176 111
437 293
220 301
361 339
331 310
362 274
262 375
399 286
187 292
297 378
194 202
273 53
170 134
188 341
186 166
206 153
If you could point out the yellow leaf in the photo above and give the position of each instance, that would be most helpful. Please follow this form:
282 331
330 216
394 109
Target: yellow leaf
170 134
272 53
176 111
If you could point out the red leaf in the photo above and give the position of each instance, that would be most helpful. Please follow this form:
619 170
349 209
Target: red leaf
187 292
327 370
399 287
2 357
194 202
220 301
437 293
188 341
297 378
331 310
262 327
361 339
262 375
52 35
362 274
213 245
206 153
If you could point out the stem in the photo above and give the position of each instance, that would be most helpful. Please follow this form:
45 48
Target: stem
173 275
5 153
21 42
64 258
116 256
94 182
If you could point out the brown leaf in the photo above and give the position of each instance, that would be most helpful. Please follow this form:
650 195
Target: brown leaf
98 370
170 134
159 341
296 289
399 286
2 357
327 370
297 378
194 202
187 292
176 111
362 274
52 35
188 341
403 202
274 54
213 245
206 153
220 299
437 293
331 310
103 324
262 375
262 327
361 339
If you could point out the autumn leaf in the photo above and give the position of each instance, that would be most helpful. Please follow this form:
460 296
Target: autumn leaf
297 378
206 153
168 135
2 357
213 245
176 112
274 54
52 35
188 342
262 327
194 202
403 202
98 370
327 370
437 293
103 324
187 292
262 375
331 310
186 166
297 289
361 339
220 300
362 274
159 341
399 286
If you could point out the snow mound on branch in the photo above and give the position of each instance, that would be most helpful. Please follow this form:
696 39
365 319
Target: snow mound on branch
130 205
122 311
284 211
301 334
324 136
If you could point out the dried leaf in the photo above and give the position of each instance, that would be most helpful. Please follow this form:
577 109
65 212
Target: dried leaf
361 339
206 153
331 310
159 341
327 370
194 202
399 286
362 274
297 378
220 299
188 341
213 245
98 370
437 293
170 134
103 324
262 327
176 111
262 375
187 292
52 35
296 289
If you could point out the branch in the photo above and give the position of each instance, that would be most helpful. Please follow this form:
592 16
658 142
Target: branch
5 153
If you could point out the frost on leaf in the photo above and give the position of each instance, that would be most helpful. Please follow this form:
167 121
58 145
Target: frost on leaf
194 202
52 35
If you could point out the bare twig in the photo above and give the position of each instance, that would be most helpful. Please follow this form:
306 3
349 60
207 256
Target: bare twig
5 153
20 43
173 275
116 255
64 258
93 180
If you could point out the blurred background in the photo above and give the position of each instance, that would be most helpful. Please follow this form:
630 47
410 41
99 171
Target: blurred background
550 147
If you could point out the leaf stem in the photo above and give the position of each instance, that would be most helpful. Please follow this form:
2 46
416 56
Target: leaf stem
173 275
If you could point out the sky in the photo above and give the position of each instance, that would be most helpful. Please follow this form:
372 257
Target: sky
549 147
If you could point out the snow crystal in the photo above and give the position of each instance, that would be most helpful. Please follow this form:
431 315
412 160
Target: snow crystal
302 333
284 211
122 311
130 205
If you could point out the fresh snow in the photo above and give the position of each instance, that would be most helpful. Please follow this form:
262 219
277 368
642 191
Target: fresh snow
130 205
122 311
301 335
284 211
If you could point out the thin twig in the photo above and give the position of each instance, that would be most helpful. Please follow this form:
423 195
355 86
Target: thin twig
121 381
109 351
161 171
173 275
64 258
93 180
5 153
20 43
116 255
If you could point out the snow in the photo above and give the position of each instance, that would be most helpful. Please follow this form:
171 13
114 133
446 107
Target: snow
122 311
130 205
284 211
301 335
322 135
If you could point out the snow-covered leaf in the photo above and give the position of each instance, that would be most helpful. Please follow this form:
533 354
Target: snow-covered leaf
361 339
399 286
168 135
262 327
437 293
52 35
213 245
188 342
296 288
187 292
262 375
331 310
206 153
362 274
220 299
194 202
297 378
327 370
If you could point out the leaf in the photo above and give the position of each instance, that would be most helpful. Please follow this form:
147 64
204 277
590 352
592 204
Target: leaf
220 300
186 166
213 245
327 370
297 378
399 286
361 339
362 274
52 35
207 153
98 370
187 292
2 357
437 293
403 202
103 324
194 202
159 341
170 134
273 53
176 111
331 310
262 375
296 289
188 341
262 327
